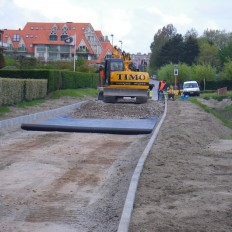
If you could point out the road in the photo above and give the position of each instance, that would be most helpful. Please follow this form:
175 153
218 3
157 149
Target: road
53 181
155 89
186 180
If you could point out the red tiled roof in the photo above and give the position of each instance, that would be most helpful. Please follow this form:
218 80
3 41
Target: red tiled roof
106 47
38 33
99 35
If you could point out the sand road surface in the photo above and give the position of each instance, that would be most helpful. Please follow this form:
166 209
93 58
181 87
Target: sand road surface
55 181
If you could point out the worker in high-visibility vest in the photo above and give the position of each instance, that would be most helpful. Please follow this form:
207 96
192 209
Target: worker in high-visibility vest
101 76
161 88
151 86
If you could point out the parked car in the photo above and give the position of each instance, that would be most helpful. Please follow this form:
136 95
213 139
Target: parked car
153 77
191 88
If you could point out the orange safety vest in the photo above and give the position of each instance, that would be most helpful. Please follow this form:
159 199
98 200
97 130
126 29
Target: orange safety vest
162 85
101 74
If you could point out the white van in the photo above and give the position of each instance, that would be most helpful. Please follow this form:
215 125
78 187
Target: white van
191 88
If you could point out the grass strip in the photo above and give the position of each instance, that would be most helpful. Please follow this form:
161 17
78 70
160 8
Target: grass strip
226 122
4 109
88 92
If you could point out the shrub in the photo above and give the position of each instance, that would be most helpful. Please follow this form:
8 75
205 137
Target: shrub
2 61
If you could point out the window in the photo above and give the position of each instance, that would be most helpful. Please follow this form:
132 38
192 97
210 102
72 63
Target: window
53 57
10 47
53 48
32 28
65 49
41 55
63 37
116 66
107 56
65 28
22 48
53 37
64 56
16 37
41 48
27 35
82 49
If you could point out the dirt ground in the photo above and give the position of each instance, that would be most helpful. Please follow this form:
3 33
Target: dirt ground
186 181
55 181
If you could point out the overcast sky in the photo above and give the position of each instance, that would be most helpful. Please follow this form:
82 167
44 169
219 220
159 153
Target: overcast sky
134 22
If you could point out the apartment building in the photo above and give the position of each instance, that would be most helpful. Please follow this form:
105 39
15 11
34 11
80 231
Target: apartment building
141 60
57 41
51 41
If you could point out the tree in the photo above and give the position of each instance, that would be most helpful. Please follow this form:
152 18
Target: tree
203 73
227 71
218 38
166 72
191 33
208 54
191 50
170 47
160 38
226 53
27 62
172 51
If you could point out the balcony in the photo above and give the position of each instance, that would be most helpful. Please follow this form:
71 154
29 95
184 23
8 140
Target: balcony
54 50
41 49
22 49
82 50
64 50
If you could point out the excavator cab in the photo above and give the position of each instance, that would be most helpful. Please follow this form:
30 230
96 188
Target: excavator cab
112 65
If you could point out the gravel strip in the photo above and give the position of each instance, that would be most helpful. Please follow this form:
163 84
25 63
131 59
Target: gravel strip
121 110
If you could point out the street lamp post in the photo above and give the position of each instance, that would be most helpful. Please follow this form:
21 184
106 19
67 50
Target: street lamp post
72 41
112 39
120 41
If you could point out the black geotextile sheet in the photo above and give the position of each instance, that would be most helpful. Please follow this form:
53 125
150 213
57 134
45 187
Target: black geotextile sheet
64 123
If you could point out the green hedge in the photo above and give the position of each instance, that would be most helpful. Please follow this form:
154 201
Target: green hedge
56 79
77 80
13 91
34 89
214 85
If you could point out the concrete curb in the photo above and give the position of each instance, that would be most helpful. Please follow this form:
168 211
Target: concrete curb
12 122
128 206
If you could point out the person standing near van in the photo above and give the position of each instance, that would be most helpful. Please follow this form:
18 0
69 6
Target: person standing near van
161 88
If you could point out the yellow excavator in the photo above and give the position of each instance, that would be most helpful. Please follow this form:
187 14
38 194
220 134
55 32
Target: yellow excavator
121 79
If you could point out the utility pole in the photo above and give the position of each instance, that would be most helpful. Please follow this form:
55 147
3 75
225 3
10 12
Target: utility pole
74 56
112 39
120 41
72 41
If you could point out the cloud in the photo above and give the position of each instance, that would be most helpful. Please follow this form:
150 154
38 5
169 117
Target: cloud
2 2
176 18
132 21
